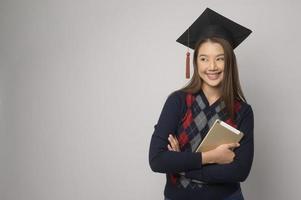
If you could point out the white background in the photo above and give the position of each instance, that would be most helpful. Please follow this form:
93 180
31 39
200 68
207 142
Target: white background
82 84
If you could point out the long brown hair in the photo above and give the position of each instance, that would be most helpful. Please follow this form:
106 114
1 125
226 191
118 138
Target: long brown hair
230 87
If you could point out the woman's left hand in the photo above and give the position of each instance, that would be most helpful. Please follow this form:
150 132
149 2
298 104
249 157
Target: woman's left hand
173 144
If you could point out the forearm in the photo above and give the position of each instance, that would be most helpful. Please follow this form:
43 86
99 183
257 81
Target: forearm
221 173
237 171
164 161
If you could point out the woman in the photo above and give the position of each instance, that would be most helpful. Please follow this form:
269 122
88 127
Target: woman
214 92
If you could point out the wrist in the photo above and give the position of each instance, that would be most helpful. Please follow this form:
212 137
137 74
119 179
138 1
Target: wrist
208 157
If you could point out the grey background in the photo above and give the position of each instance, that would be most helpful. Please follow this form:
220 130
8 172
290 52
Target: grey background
82 83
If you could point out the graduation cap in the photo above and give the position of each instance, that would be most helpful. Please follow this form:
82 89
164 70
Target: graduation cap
212 24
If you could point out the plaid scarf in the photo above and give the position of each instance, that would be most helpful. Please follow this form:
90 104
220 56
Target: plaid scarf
195 124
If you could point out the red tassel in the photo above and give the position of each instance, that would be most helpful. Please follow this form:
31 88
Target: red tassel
173 179
187 65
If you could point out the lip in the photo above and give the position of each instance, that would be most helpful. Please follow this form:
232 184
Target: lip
213 76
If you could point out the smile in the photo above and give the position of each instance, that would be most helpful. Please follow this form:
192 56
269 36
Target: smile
213 76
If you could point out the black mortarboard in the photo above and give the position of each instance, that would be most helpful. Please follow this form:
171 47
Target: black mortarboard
212 24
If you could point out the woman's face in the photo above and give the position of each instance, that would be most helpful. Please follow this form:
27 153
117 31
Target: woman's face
211 62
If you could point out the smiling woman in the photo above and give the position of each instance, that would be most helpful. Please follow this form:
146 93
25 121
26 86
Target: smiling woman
215 62
213 92
210 63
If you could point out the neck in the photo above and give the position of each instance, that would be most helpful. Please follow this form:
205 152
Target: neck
211 92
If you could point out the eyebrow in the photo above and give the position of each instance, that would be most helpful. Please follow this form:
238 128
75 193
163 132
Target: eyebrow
216 55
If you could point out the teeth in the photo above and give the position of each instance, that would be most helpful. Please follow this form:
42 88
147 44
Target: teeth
213 76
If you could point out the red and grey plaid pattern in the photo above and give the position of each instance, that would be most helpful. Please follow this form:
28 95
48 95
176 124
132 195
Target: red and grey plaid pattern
195 124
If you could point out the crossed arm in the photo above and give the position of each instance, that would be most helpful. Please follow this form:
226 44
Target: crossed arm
166 160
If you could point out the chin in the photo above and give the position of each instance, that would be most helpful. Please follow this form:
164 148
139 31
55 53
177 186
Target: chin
213 83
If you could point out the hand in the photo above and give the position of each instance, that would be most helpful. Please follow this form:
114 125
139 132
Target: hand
174 144
224 154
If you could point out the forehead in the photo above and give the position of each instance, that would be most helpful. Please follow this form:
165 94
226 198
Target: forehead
210 48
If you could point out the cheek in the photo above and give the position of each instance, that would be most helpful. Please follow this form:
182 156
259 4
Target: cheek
201 72
201 67
222 76
221 65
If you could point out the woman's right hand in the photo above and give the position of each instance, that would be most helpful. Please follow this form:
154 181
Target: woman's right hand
223 154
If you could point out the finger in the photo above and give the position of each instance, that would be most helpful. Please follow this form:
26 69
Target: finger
169 148
176 140
233 145
233 155
175 143
171 140
172 144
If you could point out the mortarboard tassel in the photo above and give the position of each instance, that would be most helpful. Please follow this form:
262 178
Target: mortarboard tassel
188 58
187 65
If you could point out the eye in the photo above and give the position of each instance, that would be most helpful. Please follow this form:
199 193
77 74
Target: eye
203 59
221 59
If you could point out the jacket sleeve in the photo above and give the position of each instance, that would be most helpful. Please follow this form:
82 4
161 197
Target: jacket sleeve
239 169
160 158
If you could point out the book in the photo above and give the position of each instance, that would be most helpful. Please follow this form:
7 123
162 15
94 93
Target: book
219 133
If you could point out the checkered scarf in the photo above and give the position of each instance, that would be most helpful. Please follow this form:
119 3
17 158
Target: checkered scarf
194 126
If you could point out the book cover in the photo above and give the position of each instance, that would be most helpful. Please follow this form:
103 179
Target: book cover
219 133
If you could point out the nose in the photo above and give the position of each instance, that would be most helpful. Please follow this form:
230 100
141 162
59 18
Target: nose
212 65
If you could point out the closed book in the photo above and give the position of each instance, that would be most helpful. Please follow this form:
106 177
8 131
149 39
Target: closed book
219 133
